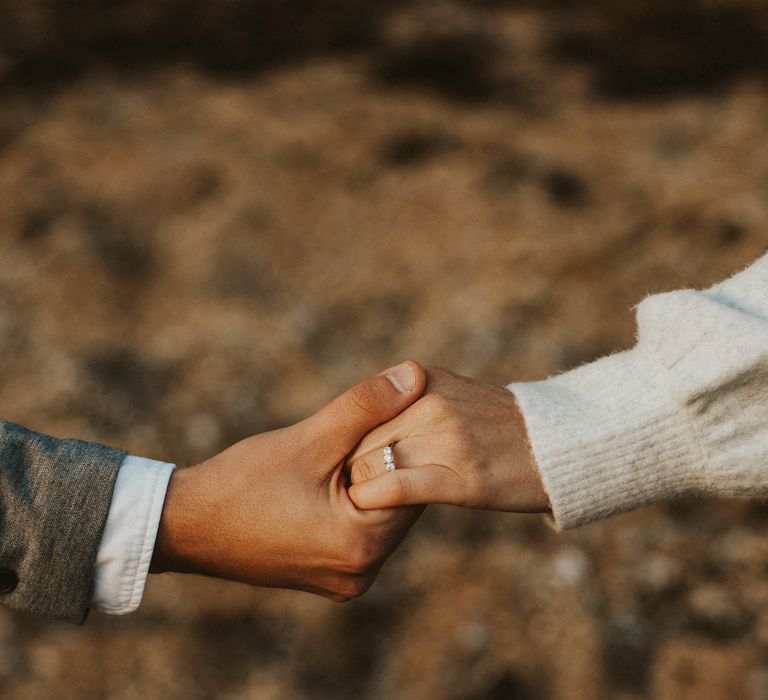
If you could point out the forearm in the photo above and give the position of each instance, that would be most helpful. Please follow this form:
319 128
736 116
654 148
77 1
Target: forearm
684 412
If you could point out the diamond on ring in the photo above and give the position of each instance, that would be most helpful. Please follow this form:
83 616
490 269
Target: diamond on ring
389 459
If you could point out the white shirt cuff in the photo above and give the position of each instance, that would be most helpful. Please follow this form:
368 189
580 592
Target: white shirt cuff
128 540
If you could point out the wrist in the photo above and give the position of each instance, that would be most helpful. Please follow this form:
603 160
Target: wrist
178 534
529 495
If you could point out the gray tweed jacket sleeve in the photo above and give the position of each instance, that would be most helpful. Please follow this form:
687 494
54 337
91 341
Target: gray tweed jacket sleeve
54 501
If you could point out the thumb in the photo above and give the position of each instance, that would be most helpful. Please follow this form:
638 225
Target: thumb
346 419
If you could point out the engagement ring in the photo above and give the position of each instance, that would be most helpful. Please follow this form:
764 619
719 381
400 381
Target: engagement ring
389 459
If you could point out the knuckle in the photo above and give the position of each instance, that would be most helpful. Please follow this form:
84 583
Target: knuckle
406 485
437 375
443 412
365 397
434 405
363 470
400 488
350 587
435 372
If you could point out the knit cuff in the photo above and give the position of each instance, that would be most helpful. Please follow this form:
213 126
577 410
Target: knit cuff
607 437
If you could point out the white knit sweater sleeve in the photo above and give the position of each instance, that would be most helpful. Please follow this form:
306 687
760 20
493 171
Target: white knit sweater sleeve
684 412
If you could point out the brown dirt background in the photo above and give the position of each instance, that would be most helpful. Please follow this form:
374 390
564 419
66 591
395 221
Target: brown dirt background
215 216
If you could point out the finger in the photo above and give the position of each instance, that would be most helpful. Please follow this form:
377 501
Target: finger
393 522
407 424
362 408
406 487
366 468
386 434
371 464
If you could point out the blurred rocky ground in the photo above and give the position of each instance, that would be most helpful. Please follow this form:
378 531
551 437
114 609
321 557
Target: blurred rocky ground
215 216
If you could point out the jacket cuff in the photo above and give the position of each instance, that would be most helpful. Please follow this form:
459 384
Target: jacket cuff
607 437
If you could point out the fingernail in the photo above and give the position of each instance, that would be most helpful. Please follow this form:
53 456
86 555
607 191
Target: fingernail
402 378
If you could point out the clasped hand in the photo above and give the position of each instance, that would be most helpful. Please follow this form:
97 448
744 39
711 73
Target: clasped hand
463 443
310 506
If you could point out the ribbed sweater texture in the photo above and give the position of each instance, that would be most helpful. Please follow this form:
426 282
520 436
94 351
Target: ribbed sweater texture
684 412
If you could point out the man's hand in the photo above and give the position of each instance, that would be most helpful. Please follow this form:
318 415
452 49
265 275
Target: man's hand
273 510
464 443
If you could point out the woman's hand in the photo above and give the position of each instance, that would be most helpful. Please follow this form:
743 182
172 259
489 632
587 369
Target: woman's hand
463 443
273 510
